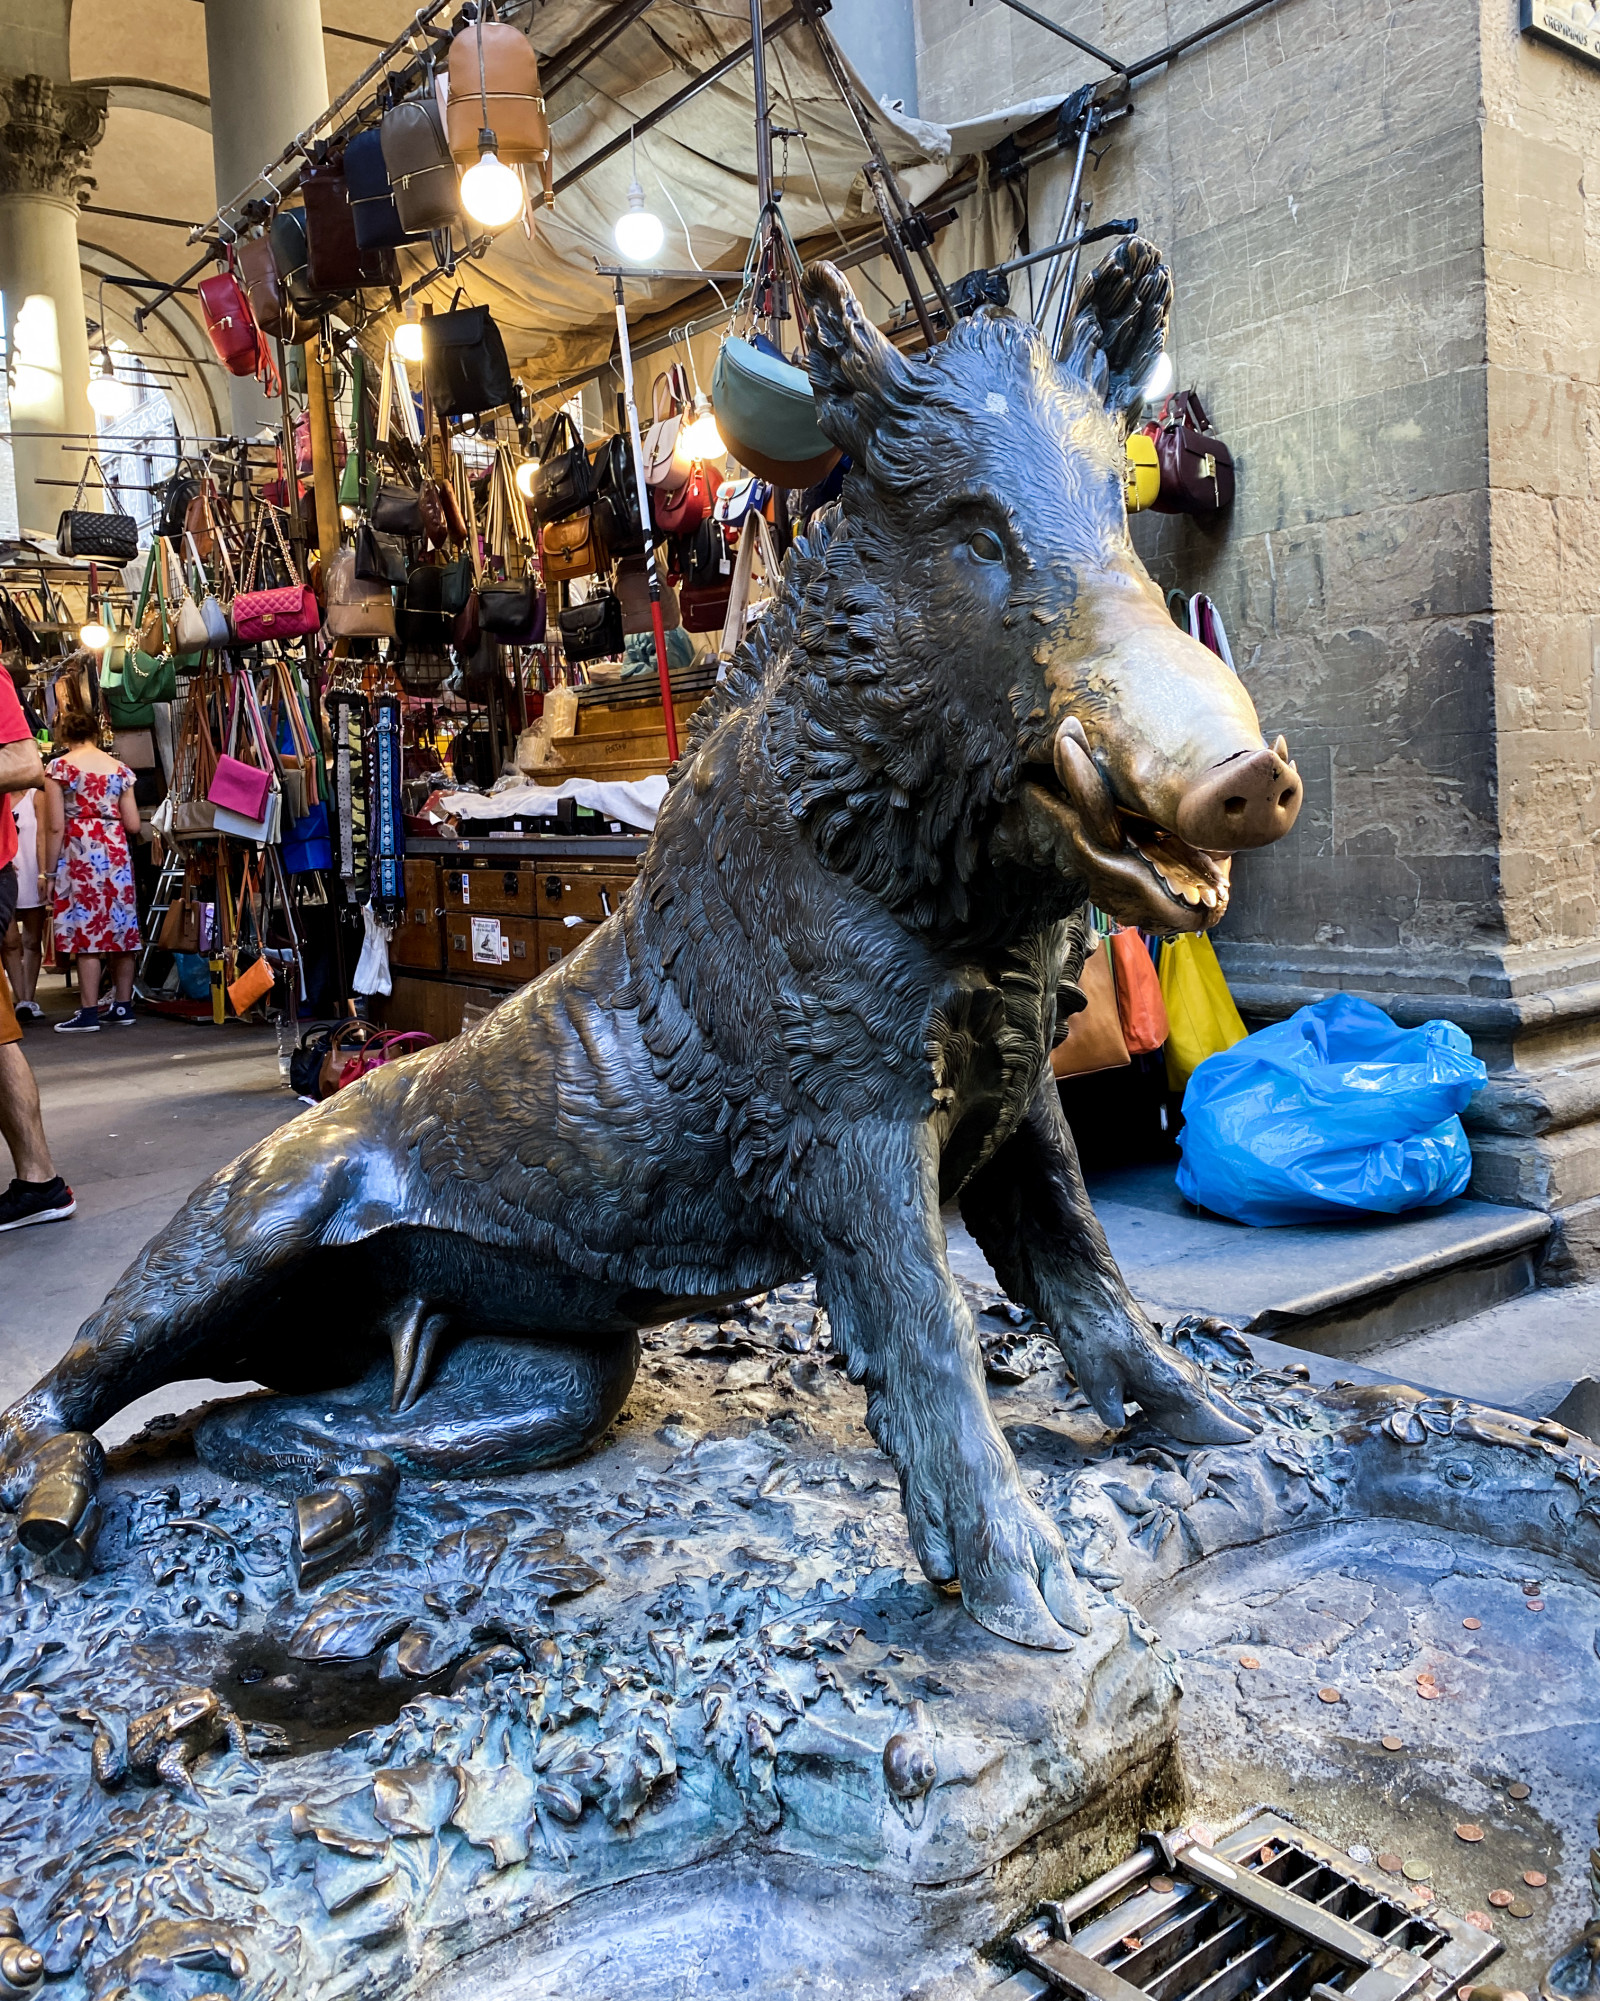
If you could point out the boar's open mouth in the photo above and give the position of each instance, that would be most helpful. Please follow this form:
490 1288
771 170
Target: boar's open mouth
1139 871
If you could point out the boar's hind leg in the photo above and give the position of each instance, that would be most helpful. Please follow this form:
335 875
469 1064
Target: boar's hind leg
1030 1213
870 1223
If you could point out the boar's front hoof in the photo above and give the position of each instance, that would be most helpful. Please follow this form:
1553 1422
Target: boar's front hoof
1015 1574
1172 1392
344 1516
58 1519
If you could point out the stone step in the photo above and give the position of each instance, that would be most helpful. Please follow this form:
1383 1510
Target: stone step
1345 1289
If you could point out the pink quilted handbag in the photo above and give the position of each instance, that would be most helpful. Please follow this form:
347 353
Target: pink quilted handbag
286 611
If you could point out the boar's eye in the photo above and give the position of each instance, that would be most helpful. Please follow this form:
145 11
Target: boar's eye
986 547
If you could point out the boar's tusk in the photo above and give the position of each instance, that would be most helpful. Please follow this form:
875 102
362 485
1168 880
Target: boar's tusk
1088 791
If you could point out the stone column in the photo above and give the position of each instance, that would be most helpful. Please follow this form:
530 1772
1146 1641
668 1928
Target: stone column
268 81
48 134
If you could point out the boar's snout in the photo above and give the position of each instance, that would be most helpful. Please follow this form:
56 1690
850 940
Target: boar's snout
1246 801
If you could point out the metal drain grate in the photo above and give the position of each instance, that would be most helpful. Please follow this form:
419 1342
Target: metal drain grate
1267 1914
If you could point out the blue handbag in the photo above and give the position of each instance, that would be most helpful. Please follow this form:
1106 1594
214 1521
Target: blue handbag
307 845
371 194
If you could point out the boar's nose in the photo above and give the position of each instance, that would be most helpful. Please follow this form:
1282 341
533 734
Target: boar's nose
1245 801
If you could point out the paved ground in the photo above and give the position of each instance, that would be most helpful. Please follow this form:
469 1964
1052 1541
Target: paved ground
136 1118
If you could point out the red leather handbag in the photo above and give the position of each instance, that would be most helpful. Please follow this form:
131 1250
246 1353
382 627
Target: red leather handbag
382 1049
230 326
1196 467
679 510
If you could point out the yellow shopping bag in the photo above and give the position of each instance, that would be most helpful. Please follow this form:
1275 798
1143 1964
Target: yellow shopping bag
1201 1016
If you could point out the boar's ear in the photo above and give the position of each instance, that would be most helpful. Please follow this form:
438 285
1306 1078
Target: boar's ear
860 382
1119 324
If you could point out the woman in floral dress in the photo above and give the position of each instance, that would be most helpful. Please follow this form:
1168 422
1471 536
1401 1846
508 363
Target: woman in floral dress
89 815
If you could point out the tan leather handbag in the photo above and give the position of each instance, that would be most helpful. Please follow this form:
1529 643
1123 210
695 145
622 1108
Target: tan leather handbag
1094 1034
572 547
358 607
632 586
494 84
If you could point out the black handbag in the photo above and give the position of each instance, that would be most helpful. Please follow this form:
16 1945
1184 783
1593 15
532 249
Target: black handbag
593 630
422 620
513 613
380 558
180 490
287 237
564 483
397 510
82 532
464 362
616 498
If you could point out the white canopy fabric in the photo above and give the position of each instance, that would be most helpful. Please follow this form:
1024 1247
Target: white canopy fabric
698 171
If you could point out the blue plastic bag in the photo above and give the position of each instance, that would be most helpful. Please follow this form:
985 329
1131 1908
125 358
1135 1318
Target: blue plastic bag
1331 1113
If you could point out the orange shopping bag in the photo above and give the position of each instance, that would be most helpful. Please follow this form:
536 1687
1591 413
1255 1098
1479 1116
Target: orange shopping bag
1140 1008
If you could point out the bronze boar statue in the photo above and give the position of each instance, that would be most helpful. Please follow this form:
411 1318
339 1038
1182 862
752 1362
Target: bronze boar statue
824 1008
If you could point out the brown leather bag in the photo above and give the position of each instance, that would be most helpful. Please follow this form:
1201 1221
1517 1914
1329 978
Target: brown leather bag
269 302
494 84
337 264
572 548
1094 1034
632 586
1196 467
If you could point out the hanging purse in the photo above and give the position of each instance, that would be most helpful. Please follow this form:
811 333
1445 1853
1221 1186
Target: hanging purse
1195 466
464 361
338 264
229 323
291 255
592 630
286 611
372 207
423 182
181 489
494 86
707 580
564 483
85 531
1140 1009
380 558
616 498
149 673
665 461
235 786
631 581
357 607
1094 1034
768 416
264 288
572 548
424 622
397 510
513 613
679 510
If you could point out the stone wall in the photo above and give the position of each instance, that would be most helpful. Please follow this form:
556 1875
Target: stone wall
1387 288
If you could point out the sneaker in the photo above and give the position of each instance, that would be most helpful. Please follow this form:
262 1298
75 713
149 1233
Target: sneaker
26 1202
85 1022
28 1011
122 1014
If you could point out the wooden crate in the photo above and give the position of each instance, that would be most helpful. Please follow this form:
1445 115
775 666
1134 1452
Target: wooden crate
435 1006
588 890
494 946
488 884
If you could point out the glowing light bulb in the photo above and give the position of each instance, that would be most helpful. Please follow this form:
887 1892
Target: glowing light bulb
527 473
1160 378
107 396
408 341
491 192
638 234
700 437
95 636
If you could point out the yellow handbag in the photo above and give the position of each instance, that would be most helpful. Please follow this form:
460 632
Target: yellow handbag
1141 475
1201 1016
571 547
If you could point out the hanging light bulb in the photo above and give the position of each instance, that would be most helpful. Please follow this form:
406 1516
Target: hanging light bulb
408 336
107 396
527 473
491 192
638 234
700 437
1160 378
94 635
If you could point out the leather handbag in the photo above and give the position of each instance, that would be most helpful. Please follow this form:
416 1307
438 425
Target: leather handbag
84 531
513 613
264 288
181 490
616 498
291 255
456 584
372 208
768 416
564 483
707 580
338 264
239 787
631 583
572 548
423 621
494 85
665 461
464 361
285 611
380 558
592 630
229 323
679 510
397 510
1196 467
357 607
180 928
422 174
1140 1008
1094 1034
